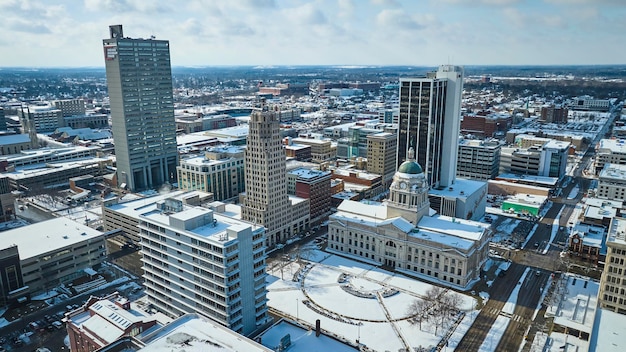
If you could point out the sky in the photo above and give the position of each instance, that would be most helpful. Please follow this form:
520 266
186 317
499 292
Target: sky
69 33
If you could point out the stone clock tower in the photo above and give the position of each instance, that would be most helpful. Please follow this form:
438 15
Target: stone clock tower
408 193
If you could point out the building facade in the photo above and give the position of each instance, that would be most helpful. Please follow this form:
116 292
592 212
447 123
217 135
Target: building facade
612 182
196 261
220 171
321 150
430 115
478 159
139 79
400 234
42 118
54 251
381 155
266 202
610 151
313 185
612 294
100 321
70 107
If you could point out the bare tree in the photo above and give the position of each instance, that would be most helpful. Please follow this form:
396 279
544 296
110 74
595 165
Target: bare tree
418 310
438 304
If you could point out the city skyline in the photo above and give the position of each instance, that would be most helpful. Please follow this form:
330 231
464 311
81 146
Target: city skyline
322 32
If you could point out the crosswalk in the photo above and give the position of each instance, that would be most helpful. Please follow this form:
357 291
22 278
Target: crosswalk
514 317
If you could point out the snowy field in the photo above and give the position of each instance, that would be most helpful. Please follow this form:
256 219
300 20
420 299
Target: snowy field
379 321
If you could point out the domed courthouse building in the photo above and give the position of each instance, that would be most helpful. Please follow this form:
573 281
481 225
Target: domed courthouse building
402 234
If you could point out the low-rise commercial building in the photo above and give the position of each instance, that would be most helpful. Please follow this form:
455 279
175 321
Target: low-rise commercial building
102 321
54 251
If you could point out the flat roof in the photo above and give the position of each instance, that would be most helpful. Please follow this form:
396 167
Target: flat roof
466 229
592 236
308 174
613 145
9 139
462 188
192 333
613 171
302 339
138 205
600 213
47 236
27 171
215 231
526 199
597 202
554 144
609 331
576 308
541 180
617 231
232 132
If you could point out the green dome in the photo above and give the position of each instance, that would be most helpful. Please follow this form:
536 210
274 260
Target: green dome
410 167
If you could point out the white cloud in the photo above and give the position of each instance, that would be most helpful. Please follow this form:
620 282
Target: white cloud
306 14
121 6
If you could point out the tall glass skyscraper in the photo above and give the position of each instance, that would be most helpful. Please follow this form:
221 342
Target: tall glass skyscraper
139 78
430 115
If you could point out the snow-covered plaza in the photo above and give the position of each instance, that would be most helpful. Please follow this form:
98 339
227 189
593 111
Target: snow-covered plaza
358 301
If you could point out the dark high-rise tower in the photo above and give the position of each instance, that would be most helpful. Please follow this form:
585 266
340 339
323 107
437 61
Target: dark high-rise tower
266 202
139 78
430 115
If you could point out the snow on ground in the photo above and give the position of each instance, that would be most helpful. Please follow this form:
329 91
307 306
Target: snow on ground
555 230
340 313
488 264
3 322
574 192
484 296
461 330
505 229
503 266
510 304
495 334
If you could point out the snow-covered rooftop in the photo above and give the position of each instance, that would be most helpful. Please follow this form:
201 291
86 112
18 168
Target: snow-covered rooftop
576 303
609 332
192 333
47 236
613 171
616 146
